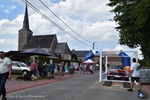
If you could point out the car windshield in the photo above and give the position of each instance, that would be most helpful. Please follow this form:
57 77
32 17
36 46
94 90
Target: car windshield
23 64
116 67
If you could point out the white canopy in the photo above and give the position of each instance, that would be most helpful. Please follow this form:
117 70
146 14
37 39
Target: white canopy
89 61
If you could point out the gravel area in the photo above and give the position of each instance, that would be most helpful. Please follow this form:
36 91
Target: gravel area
14 81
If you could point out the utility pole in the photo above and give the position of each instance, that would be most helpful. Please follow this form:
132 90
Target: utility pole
94 44
93 48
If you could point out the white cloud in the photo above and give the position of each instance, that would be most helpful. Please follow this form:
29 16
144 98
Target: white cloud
2 42
84 10
11 44
7 11
12 7
6 41
119 47
101 31
11 27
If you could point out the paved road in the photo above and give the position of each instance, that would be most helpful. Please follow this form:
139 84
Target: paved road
79 88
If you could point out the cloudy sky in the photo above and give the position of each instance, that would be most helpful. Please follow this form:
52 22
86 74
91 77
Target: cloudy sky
80 23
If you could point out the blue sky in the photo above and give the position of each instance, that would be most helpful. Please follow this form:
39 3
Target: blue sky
10 9
88 18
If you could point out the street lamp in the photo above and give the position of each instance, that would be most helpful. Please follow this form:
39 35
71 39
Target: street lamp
94 44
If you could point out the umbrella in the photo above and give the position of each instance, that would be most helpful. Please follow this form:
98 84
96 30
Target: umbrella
89 61
37 51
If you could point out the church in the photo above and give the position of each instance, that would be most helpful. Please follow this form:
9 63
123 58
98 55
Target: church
49 43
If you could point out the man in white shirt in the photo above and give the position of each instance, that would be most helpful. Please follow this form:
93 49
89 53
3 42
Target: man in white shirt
5 73
135 75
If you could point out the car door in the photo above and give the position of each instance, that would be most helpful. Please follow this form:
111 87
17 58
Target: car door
15 67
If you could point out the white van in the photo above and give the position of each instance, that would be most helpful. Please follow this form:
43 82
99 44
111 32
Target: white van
19 67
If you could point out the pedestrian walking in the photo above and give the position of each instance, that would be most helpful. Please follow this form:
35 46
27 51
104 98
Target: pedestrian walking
5 73
135 75
91 69
71 69
34 70
81 68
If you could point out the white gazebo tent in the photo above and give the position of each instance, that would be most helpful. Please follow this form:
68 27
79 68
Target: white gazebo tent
89 61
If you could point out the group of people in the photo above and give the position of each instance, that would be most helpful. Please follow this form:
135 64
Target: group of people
48 69
6 72
86 68
82 68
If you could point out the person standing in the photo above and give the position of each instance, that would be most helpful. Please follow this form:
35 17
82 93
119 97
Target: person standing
61 69
81 68
53 68
40 68
33 69
71 69
135 75
84 69
55 72
66 68
5 73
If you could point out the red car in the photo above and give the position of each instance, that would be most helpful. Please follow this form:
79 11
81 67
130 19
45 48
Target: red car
117 72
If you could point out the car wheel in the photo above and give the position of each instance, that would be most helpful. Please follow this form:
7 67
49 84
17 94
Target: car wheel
108 77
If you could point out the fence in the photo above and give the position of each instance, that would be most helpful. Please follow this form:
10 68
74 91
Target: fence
145 75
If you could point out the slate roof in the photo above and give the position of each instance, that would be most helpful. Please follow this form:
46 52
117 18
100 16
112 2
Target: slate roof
81 53
16 55
62 48
42 41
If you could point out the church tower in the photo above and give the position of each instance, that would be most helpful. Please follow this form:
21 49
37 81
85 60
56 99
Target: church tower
25 33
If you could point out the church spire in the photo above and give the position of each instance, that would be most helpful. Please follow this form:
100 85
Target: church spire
26 20
25 33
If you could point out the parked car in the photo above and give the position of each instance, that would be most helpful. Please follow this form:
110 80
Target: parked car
117 72
19 67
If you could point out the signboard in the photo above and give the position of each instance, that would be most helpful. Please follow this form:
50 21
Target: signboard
106 53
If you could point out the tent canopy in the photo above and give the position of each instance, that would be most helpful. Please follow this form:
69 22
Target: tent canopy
89 61
37 51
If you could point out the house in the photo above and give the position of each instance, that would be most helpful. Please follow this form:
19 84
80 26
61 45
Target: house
82 53
49 43
62 50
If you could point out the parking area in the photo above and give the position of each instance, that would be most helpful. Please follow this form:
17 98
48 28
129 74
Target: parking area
115 85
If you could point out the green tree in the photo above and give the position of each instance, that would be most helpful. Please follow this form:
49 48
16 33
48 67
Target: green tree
74 57
132 17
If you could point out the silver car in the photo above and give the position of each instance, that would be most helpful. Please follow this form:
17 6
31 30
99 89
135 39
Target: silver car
19 67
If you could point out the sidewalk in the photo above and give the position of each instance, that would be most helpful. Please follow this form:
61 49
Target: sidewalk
28 84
